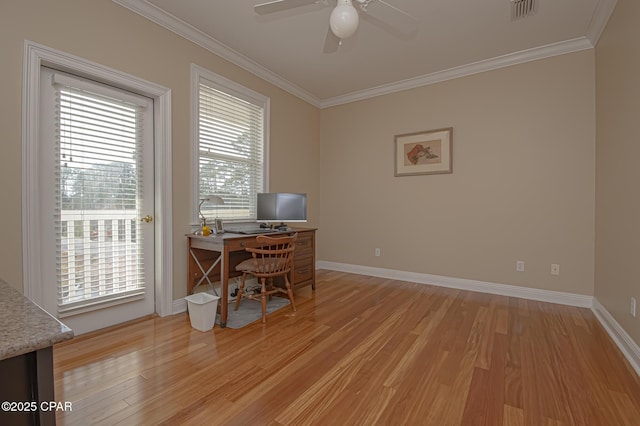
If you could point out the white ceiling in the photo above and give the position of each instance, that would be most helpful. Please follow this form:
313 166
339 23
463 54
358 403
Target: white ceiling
448 39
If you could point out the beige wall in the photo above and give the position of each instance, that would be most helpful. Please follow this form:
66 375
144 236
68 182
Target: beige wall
101 31
617 277
523 185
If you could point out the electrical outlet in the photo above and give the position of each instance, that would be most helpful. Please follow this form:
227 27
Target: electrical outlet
633 307
377 251
555 269
520 265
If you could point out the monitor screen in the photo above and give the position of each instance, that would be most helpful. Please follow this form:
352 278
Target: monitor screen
282 207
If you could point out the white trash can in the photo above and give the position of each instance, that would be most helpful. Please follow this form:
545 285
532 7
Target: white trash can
202 310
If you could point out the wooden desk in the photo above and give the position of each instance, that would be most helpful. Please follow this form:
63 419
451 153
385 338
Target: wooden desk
219 254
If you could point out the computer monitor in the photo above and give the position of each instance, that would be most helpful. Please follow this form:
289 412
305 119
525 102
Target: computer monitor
282 207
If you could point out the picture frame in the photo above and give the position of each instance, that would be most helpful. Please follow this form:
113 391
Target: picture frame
219 228
424 153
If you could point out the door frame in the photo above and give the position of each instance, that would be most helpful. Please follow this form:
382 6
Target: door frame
36 55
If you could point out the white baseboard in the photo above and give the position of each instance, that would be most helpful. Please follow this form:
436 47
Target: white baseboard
179 306
625 343
464 284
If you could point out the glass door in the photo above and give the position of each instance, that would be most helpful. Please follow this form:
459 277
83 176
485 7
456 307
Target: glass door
97 160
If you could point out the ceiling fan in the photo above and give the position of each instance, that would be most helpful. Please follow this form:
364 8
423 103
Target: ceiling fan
345 16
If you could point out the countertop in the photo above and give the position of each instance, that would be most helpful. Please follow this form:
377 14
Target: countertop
24 326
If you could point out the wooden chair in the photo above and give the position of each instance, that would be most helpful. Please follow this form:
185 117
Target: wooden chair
272 259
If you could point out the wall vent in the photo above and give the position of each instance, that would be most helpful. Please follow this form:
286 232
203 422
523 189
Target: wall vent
522 8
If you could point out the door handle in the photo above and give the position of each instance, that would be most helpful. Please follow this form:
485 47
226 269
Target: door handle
148 218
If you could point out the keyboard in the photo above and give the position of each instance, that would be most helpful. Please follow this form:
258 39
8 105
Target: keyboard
253 231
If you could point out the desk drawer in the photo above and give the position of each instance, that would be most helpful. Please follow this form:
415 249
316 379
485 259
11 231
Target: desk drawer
235 244
304 245
302 270
206 244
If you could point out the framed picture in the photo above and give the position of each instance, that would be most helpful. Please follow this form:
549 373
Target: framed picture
424 153
219 229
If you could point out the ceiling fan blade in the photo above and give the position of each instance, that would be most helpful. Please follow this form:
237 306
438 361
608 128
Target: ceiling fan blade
331 42
279 5
390 18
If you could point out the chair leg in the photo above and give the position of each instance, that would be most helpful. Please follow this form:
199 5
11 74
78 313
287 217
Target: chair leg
240 291
271 285
263 300
290 293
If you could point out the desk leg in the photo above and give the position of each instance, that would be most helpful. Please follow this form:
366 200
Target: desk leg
205 274
224 283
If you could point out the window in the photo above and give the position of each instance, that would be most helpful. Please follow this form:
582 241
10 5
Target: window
230 145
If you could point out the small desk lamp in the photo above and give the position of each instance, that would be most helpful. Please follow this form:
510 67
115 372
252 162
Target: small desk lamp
211 199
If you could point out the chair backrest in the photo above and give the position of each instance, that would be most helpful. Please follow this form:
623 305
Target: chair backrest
274 256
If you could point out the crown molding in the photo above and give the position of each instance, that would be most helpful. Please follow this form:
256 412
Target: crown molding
533 54
170 22
599 20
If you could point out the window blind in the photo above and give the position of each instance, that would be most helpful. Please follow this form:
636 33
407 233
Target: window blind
230 151
98 166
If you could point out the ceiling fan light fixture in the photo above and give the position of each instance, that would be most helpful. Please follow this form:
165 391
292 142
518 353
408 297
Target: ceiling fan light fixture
344 19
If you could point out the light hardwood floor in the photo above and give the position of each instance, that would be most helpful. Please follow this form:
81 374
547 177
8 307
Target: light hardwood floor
361 350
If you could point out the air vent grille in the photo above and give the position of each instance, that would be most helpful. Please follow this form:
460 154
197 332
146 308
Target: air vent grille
522 8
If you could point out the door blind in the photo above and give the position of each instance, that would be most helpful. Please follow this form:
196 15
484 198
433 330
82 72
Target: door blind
230 152
98 167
